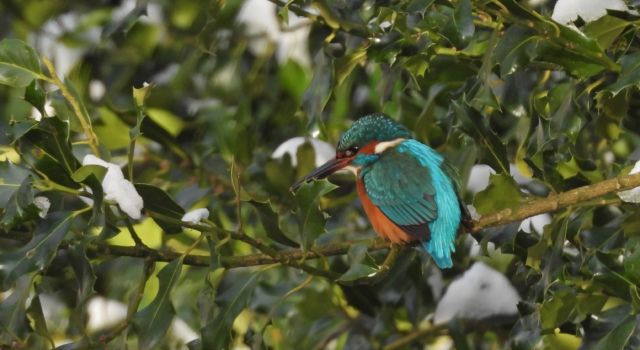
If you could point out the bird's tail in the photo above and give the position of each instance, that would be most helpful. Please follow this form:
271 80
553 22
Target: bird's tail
440 254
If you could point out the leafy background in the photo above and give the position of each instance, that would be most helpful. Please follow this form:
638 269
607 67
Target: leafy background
492 82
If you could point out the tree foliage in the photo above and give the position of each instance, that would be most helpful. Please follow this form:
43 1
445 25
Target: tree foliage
488 81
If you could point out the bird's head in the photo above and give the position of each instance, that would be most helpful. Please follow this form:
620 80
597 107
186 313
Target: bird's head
361 145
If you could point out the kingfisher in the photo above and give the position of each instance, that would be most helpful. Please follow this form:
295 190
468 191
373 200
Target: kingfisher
407 189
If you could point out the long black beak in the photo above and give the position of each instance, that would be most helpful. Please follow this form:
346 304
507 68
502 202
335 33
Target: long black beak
323 171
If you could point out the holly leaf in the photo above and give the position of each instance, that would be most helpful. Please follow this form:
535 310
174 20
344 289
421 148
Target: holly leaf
311 220
19 63
501 193
159 204
153 321
629 74
11 176
231 301
20 207
38 253
473 124
36 96
13 320
271 225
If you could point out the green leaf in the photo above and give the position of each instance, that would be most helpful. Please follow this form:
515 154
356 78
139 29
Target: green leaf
356 272
231 301
19 128
168 121
52 136
124 23
617 339
521 46
473 123
13 320
37 254
417 65
306 157
294 79
97 194
271 225
516 49
321 87
153 321
501 193
19 63
36 316
157 201
36 96
463 20
629 74
605 30
85 171
112 131
557 309
632 259
359 266
141 94
20 207
11 176
154 131
555 43
83 271
311 220
345 65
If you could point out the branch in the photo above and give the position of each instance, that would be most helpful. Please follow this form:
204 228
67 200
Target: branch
325 16
415 335
553 202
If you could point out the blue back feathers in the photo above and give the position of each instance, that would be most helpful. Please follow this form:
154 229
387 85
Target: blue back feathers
445 227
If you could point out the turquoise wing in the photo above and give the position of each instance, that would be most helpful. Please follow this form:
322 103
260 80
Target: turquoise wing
402 184
402 189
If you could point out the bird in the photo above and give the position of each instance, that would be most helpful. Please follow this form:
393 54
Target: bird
407 189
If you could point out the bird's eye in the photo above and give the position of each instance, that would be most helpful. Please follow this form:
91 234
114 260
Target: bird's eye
351 152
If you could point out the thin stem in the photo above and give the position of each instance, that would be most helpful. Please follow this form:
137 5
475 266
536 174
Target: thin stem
415 335
194 245
80 113
132 232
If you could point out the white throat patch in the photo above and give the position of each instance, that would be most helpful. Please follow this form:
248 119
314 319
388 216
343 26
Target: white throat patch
383 146
351 169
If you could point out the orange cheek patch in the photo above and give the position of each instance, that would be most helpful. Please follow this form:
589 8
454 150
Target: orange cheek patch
381 224
369 148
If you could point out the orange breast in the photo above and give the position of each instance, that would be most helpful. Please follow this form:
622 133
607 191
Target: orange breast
381 224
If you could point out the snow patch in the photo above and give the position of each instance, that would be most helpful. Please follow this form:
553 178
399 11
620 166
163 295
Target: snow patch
196 215
479 178
263 27
43 204
106 313
632 195
324 151
481 292
48 109
117 188
567 11
535 223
